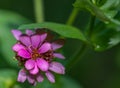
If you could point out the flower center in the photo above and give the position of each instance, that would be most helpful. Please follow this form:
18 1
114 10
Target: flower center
35 54
47 56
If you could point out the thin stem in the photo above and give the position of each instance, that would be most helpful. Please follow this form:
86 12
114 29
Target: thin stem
76 57
38 6
90 29
72 16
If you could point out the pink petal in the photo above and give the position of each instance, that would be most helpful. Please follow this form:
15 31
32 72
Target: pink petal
30 64
44 48
24 53
16 33
35 70
35 39
31 79
57 44
58 55
22 76
29 32
43 37
25 40
50 77
18 47
40 78
57 67
42 64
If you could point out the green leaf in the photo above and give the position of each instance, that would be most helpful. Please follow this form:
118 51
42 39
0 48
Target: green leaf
60 83
105 36
86 4
8 21
61 29
106 12
7 78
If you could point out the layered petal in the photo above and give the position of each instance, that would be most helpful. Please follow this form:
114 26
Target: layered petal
57 67
30 64
35 70
43 37
25 40
35 39
39 78
57 44
31 79
42 64
18 47
16 33
22 76
44 48
50 77
29 32
58 55
24 53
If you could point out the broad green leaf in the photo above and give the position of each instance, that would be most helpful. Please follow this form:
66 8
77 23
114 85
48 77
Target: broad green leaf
7 78
106 12
60 83
9 21
105 36
61 29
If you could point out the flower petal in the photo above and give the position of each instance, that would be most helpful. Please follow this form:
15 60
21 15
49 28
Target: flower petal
35 39
24 53
43 37
18 47
31 79
39 78
35 70
29 32
58 55
50 77
42 64
44 48
22 76
57 44
16 33
25 40
30 64
57 67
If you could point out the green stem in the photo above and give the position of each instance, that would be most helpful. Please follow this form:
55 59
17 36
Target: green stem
38 6
76 56
72 16
90 29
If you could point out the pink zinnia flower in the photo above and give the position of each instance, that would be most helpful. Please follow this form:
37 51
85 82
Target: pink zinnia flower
36 53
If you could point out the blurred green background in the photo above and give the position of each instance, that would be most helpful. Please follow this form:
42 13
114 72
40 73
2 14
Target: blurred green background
94 70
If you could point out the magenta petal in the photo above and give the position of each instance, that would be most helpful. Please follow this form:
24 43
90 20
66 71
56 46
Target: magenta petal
40 78
57 44
42 64
50 77
43 37
29 32
30 64
16 33
18 47
25 40
35 39
31 79
35 70
58 55
45 47
24 53
22 76
57 68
